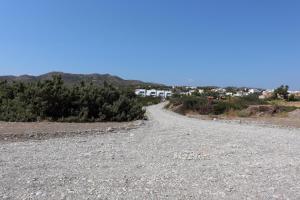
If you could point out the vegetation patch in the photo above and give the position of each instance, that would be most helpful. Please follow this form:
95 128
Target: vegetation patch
54 101
245 106
148 100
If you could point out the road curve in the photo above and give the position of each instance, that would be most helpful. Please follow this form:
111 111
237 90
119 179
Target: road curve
169 157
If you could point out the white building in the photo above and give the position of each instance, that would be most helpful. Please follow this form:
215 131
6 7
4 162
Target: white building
252 91
266 94
163 93
201 91
239 94
160 93
153 93
219 90
294 92
168 93
140 92
190 92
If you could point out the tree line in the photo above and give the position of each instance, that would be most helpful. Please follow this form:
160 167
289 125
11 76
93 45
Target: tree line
54 101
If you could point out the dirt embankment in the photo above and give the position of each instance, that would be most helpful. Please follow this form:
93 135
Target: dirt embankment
268 115
14 131
284 103
291 119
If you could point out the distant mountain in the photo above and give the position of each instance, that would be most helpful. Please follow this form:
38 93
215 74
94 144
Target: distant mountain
71 79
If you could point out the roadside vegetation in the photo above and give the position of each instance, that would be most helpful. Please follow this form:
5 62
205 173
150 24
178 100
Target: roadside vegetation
147 101
52 100
281 93
212 103
205 105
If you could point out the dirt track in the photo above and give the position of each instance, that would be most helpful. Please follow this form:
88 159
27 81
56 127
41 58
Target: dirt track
170 157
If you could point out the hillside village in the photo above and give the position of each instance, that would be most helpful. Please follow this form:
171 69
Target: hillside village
218 91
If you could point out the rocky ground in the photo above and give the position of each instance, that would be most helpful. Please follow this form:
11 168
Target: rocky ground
169 157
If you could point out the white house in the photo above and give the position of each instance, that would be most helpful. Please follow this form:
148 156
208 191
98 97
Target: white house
140 92
239 94
168 93
219 90
152 93
163 93
266 94
252 91
296 93
201 91
160 93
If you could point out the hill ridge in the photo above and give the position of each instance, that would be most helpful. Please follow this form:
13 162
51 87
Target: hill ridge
74 78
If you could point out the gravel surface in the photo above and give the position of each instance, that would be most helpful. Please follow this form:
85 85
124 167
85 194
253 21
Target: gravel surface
169 157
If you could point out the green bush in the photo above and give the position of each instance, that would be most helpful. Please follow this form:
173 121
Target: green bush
192 103
203 105
221 107
147 101
52 100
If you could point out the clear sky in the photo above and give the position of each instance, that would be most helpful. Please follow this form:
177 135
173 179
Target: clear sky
224 42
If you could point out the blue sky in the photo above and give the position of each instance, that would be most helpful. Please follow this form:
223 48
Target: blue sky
240 43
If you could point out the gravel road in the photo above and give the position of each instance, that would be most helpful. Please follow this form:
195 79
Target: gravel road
168 157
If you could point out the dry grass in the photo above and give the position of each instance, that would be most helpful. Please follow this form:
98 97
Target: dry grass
231 114
286 103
